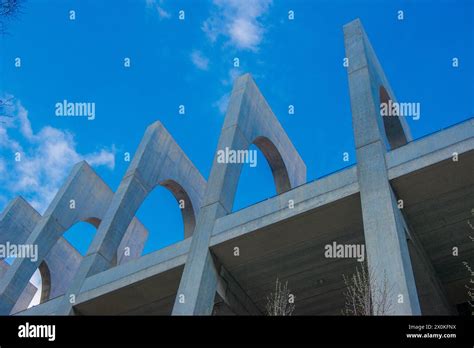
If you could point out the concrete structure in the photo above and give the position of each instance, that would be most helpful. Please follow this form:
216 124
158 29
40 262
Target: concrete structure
83 197
410 246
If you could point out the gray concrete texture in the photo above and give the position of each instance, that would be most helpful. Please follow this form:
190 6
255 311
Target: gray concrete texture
200 276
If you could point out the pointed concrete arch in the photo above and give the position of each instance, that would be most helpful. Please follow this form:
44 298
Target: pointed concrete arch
22 224
276 163
248 120
188 212
368 83
16 224
158 161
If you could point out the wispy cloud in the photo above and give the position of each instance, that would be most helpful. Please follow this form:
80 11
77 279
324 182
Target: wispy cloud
158 6
222 103
199 60
238 21
46 158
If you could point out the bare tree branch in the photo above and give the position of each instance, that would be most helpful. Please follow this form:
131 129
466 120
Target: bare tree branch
279 302
9 10
361 296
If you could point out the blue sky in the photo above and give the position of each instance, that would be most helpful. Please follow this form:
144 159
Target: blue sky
190 62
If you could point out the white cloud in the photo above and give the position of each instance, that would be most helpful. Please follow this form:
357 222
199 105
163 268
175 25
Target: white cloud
46 158
238 21
162 13
199 60
232 74
222 103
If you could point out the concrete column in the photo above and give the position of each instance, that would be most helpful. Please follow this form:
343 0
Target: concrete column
385 237
248 120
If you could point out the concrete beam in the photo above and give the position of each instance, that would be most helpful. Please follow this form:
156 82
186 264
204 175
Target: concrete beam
431 149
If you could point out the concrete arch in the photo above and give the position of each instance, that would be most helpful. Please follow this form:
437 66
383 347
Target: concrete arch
83 197
248 120
16 224
158 161
392 125
366 76
179 193
45 281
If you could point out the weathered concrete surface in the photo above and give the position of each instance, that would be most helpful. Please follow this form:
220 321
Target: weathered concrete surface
287 243
248 120
431 149
438 200
26 296
16 224
22 224
158 161
355 205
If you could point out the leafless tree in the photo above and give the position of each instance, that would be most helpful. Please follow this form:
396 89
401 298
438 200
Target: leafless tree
9 9
280 302
359 300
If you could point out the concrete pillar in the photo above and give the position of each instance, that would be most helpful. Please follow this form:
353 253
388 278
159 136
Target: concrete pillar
385 237
248 120
158 161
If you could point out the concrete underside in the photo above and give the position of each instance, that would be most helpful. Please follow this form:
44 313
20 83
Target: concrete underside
277 242
438 201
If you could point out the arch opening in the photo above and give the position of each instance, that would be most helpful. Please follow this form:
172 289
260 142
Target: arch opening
45 282
256 183
81 234
41 279
158 213
184 203
392 124
276 163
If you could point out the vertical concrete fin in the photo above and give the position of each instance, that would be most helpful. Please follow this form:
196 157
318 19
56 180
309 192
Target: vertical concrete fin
385 237
248 120
373 86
